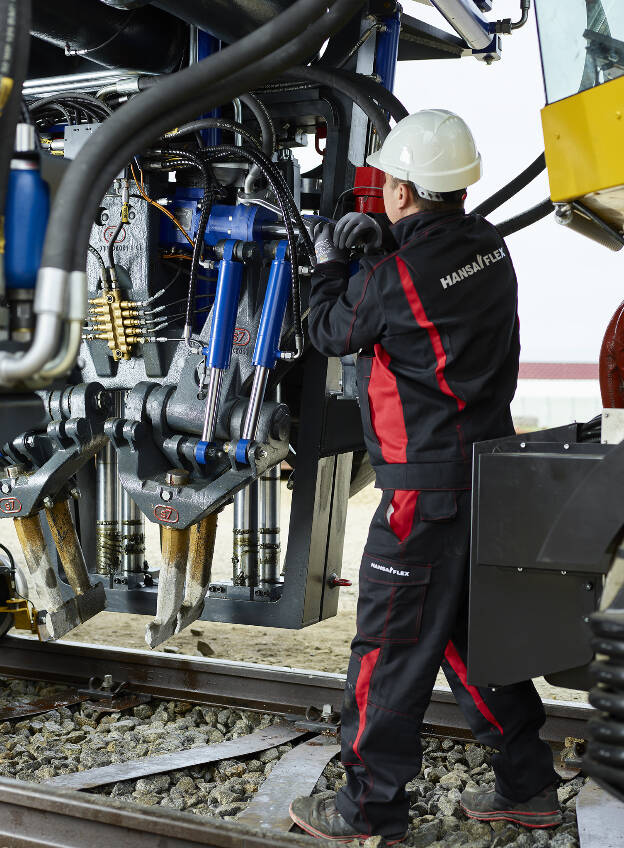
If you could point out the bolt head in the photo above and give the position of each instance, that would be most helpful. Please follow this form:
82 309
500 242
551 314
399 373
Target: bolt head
48 502
75 493
165 495
6 488
261 453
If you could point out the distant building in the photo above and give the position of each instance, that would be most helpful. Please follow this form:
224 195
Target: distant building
554 393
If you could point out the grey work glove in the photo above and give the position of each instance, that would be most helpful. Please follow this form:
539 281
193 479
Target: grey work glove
357 228
324 247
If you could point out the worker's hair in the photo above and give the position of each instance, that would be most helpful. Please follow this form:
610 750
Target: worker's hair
452 199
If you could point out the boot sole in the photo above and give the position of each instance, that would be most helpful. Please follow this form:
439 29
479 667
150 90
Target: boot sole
361 837
533 820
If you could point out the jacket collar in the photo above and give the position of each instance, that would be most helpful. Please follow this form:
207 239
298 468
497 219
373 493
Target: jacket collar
406 228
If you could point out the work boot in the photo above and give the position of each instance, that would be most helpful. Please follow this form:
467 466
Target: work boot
319 817
542 810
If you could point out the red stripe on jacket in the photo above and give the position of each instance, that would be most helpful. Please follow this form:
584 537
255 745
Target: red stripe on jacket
401 512
367 666
457 664
420 315
386 409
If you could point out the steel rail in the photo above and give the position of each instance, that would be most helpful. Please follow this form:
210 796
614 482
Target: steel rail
243 685
37 816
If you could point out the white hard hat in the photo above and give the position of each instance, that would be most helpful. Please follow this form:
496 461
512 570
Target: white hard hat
434 149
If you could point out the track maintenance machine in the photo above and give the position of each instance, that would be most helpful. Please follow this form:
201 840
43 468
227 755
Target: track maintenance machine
154 287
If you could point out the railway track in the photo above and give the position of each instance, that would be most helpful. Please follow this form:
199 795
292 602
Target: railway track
48 815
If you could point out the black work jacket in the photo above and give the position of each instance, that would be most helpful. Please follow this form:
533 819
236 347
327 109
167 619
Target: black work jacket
436 323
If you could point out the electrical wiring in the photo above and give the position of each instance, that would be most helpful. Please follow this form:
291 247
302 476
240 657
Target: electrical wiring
162 209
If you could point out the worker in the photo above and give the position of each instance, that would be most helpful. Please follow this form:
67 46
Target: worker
435 324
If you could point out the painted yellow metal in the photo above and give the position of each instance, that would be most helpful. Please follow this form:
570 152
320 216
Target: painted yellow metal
584 141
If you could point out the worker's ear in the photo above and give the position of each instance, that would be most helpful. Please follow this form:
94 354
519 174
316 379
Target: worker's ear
404 198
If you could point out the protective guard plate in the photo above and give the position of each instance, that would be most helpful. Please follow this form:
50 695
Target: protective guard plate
527 616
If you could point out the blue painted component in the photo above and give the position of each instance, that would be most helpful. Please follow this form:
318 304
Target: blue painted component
266 351
386 50
241 450
26 214
237 222
200 451
225 309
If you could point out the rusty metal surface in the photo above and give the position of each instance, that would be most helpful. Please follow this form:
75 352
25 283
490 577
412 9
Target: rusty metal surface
65 538
202 538
36 816
277 734
36 706
296 774
244 685
174 551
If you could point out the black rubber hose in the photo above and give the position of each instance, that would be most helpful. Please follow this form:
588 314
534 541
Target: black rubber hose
525 219
14 46
262 116
388 101
76 98
338 81
218 123
264 53
513 187
129 131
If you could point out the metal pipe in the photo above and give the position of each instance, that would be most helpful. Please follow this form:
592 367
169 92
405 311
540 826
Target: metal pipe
108 494
238 117
42 86
245 554
256 397
269 530
467 21
215 381
132 536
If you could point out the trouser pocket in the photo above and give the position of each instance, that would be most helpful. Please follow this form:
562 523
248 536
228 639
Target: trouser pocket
391 599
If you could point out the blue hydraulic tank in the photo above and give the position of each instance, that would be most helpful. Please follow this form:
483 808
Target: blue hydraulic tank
387 49
26 218
225 309
266 351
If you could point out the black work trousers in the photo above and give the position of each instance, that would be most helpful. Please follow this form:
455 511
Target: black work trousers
412 618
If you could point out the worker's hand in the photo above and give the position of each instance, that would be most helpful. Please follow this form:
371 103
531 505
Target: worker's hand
357 228
324 247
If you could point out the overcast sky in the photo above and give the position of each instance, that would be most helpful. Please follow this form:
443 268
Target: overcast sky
569 287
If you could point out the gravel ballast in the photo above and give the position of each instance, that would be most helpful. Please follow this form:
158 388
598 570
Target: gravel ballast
70 739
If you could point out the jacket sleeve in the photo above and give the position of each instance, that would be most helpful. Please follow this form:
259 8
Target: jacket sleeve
345 314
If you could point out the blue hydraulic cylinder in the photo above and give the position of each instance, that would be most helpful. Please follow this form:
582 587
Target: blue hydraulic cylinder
225 309
26 215
207 44
266 351
387 49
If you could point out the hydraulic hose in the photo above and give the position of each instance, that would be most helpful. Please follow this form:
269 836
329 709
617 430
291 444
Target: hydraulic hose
185 156
525 219
219 123
267 130
286 202
388 101
14 47
264 53
339 81
513 187
262 116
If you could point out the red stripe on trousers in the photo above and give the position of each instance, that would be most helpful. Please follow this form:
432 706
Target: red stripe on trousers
367 666
420 315
403 508
457 664
386 409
